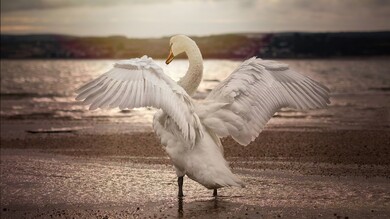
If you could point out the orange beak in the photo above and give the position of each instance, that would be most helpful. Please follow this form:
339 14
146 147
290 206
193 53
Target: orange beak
170 57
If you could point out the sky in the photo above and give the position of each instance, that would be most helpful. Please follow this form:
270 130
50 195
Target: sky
157 18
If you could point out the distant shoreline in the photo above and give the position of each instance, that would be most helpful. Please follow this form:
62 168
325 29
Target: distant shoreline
379 57
288 45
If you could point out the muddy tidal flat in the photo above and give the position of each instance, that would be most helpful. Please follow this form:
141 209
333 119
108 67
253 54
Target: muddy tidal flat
288 174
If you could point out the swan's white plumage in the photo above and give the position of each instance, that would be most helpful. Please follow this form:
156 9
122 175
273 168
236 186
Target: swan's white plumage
141 83
239 106
253 93
204 163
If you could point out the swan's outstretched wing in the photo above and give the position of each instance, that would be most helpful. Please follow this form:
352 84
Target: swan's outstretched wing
243 103
141 83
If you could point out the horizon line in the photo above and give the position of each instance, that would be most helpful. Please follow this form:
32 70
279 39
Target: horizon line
192 35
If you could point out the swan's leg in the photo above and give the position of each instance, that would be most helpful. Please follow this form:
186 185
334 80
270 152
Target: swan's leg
180 209
215 193
180 183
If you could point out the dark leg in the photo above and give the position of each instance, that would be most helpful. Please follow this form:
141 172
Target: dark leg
180 207
215 193
180 183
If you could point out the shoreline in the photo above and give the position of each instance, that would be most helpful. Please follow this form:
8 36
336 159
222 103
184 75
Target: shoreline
102 187
300 174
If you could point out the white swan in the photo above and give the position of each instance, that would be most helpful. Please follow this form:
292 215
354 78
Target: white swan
239 106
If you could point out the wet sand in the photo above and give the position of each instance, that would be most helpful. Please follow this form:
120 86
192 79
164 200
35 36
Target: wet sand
288 174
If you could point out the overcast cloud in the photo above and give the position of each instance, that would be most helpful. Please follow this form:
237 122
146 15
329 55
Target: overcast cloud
154 18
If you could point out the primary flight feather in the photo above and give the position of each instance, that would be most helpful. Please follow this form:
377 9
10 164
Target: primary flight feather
190 131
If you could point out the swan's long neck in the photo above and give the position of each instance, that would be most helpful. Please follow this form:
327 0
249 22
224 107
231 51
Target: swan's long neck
193 78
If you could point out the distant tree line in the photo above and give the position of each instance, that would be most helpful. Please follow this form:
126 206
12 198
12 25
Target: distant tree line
227 46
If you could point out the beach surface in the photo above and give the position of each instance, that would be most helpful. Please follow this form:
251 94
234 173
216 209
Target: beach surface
288 174
60 160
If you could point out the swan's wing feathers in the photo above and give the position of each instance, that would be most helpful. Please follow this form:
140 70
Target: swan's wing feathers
254 92
142 83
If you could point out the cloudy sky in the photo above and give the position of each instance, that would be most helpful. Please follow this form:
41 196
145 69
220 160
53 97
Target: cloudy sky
156 18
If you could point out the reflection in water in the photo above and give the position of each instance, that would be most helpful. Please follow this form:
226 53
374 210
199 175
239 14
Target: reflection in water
210 206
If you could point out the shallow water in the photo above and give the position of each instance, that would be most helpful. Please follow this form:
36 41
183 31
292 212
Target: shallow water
44 90
71 181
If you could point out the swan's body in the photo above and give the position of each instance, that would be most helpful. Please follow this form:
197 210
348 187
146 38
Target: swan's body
203 163
190 131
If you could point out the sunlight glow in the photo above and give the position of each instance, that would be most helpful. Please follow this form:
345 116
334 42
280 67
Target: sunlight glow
155 18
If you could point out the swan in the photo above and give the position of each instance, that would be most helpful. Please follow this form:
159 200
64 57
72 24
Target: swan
190 130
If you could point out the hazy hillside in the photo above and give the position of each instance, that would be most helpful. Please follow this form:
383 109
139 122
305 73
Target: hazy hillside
277 45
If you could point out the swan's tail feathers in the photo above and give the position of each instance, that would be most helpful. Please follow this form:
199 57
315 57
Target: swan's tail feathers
238 182
229 180
217 179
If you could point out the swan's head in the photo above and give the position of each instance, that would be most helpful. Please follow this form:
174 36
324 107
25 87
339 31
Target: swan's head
179 44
